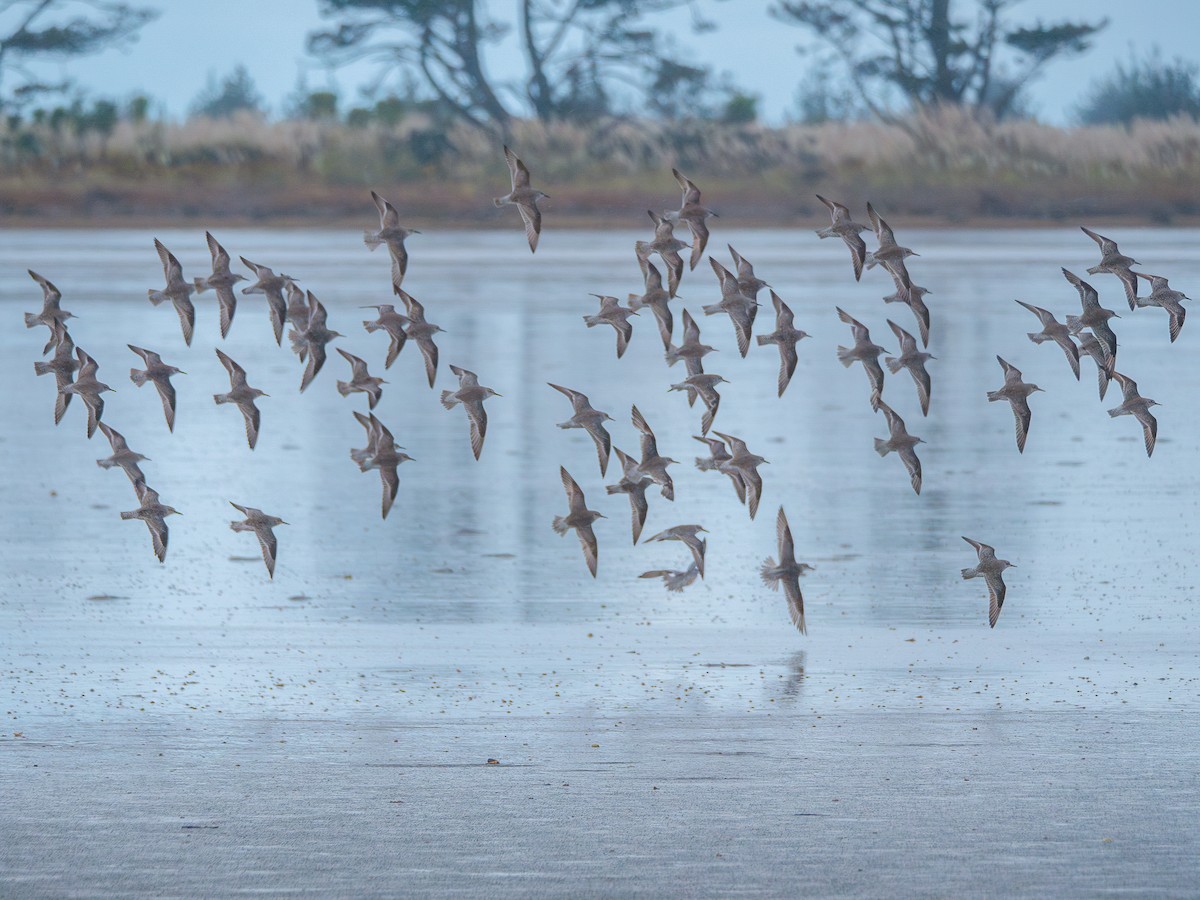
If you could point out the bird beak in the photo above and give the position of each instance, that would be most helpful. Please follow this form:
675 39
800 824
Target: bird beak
497 394
284 523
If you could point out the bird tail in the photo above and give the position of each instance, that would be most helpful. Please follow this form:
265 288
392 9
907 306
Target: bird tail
1073 323
156 297
42 368
371 239
560 525
893 364
767 571
613 489
201 285
371 326
705 465
1037 337
764 339
712 309
138 377
129 515
672 355
105 463
1094 270
881 447
1113 413
844 357
220 398
448 400
31 320
994 395
343 389
969 573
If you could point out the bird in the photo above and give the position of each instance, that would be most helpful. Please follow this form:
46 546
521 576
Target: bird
580 518
222 281
1094 349
903 443
1016 392
241 395
692 214
392 233
675 581
719 455
656 299
87 386
704 386
154 514
63 365
688 535
843 226
272 286
386 456
1054 330
393 323
1134 404
735 304
361 456
863 351
690 348
912 296
361 381
590 420
889 253
614 314
471 395
652 463
1114 262
991 570
787 572
177 290
298 311
634 483
53 316
421 333
785 337
313 339
749 283
124 458
667 246
1163 296
160 373
745 464
914 360
524 198
1094 317
262 525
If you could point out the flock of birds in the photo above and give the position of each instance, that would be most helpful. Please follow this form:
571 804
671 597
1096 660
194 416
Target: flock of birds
288 304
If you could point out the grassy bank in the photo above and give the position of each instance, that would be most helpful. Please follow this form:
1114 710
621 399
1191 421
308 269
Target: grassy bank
937 168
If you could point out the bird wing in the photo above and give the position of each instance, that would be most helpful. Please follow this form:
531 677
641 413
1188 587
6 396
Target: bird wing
754 487
95 408
358 365
996 590
591 551
1087 294
1069 348
837 212
270 546
783 537
882 230
1108 338
172 270
691 193
166 391
429 351
237 375
795 602
227 301
399 256
908 456
50 294
858 329
691 331
984 551
220 258
159 535
698 548
639 508
316 359
924 386
1129 280
575 499
187 317
875 376
516 169
907 341
1011 373
603 443
388 217
1022 415
712 402
478 416
253 417
1177 314
1149 428
390 479
699 239
649 444
858 252
787 365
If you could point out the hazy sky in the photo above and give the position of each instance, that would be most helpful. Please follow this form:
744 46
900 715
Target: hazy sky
192 40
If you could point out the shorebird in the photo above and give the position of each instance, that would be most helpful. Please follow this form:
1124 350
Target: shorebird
889 253
524 198
844 227
53 316
1054 330
634 483
386 456
690 349
392 233
89 387
361 381
154 514
785 337
361 456
912 296
675 581
667 246
1016 392
1094 349
688 535
745 464
178 291
704 386
735 304
715 462
261 524
241 395
298 310
652 463
471 395
590 420
1094 317
655 299
222 281
1114 262
787 572
124 458
272 286
313 339
903 443
63 365
863 351
990 569
421 333
393 323
1162 295
748 283
580 518
692 214
614 314
914 360
1137 406
160 373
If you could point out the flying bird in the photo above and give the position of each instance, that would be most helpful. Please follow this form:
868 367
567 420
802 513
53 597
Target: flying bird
1164 297
1137 406
653 463
272 286
675 581
718 455
53 316
704 386
912 296
1094 317
580 518
889 254
471 395
785 337
242 396
222 281
361 381
693 214
421 333
177 290
313 340
524 198
393 323
989 568
634 483
787 572
689 536
667 246
160 374
386 456
843 226
614 314
735 304
914 360
1016 392
124 458
154 514
903 443
745 464
863 351
1054 330
590 420
262 526
392 233
62 365
656 299
1114 262
1095 350
87 386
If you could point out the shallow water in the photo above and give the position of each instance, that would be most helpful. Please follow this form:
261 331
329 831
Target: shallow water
463 627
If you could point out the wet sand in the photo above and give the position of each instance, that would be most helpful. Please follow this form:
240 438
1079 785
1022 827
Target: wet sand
195 729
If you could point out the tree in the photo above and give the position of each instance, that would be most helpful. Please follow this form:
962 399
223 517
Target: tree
235 93
932 56
576 51
49 29
1150 89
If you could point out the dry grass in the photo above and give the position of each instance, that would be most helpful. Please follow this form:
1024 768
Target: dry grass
943 166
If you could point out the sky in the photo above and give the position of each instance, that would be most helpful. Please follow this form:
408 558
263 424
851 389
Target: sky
190 43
